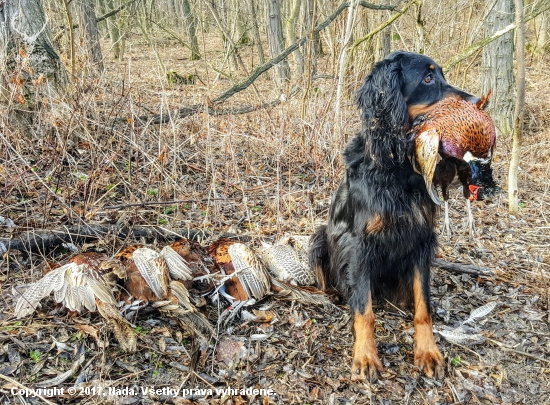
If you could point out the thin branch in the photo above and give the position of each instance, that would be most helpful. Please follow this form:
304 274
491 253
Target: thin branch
375 31
98 19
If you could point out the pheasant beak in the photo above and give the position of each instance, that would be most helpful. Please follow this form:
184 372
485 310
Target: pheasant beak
474 191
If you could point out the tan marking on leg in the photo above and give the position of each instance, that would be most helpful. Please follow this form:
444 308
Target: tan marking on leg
426 353
365 361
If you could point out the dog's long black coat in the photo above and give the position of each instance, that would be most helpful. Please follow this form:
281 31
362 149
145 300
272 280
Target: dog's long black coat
380 232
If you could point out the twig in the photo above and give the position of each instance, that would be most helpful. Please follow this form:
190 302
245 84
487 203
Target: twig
463 268
371 34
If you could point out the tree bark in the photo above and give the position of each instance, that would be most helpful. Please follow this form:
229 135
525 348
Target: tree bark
117 40
275 39
89 33
419 22
191 30
291 35
518 110
497 66
256 30
542 39
27 53
383 39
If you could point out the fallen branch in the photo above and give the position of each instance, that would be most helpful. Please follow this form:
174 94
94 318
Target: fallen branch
188 111
46 240
463 268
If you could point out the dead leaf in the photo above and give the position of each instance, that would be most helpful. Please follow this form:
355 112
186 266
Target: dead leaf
229 351
89 330
164 155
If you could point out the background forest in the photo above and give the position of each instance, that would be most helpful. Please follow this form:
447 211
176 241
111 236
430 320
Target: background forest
149 119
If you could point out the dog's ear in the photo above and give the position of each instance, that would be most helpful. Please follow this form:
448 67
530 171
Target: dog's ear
381 96
384 111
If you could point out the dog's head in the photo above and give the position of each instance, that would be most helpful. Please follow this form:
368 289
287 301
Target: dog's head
399 88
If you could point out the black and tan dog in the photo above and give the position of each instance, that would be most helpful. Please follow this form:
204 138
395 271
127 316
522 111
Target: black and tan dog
380 238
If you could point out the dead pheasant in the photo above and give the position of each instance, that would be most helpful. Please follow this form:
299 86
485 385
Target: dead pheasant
287 260
456 138
251 279
153 277
83 283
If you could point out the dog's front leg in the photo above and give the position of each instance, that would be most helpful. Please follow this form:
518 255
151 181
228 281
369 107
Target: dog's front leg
426 354
365 361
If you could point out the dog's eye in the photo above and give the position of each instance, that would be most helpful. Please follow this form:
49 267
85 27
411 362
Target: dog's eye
428 79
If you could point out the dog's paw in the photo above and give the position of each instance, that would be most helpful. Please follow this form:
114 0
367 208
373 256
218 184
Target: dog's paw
428 357
365 365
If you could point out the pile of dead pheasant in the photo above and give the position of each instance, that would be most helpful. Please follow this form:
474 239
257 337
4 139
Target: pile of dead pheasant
175 281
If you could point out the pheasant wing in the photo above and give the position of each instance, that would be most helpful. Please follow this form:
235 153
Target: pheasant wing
154 270
250 270
427 157
177 266
53 281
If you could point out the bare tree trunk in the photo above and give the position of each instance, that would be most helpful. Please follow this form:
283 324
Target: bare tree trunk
383 44
309 25
343 57
497 66
275 38
313 11
241 24
542 39
27 53
291 35
113 27
419 21
256 30
518 111
89 34
191 30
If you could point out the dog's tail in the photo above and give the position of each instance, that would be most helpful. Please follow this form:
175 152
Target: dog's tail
319 258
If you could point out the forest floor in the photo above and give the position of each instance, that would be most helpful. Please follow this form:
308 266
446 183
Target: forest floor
259 174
